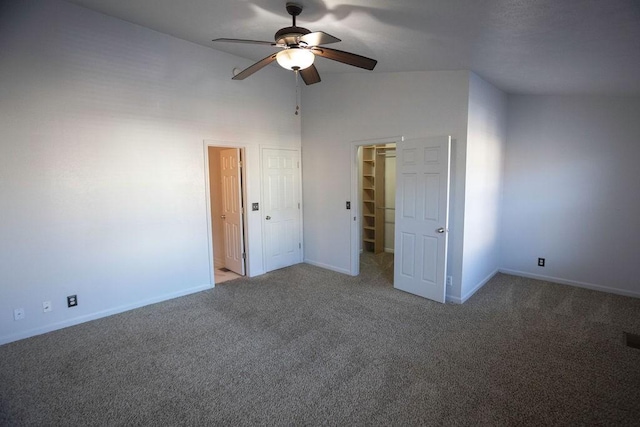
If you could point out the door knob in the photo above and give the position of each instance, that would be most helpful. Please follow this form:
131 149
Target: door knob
440 230
223 216
268 217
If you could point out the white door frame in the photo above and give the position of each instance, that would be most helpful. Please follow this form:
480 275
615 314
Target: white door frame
356 201
243 150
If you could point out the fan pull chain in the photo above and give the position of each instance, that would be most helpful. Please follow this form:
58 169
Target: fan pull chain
297 92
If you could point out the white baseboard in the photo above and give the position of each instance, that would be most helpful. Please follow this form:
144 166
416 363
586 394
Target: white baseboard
389 250
479 285
100 314
453 300
465 297
328 267
576 283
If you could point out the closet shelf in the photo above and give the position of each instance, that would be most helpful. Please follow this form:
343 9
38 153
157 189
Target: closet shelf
373 165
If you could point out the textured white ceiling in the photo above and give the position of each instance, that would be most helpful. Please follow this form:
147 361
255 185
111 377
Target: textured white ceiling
522 46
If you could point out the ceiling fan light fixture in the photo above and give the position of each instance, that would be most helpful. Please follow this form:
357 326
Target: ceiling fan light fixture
300 47
295 58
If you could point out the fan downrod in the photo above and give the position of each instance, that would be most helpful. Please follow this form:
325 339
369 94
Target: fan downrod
290 35
294 9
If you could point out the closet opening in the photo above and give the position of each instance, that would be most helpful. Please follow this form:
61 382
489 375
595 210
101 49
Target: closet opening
377 194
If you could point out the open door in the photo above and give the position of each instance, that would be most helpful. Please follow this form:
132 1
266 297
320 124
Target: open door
422 213
232 210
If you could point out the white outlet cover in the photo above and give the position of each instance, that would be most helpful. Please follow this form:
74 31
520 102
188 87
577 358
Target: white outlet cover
18 314
46 306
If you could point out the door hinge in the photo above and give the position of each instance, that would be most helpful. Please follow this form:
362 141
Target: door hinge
299 245
298 205
240 163
244 255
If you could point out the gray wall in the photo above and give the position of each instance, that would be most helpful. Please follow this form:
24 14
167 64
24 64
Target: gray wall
102 179
572 191
363 106
486 134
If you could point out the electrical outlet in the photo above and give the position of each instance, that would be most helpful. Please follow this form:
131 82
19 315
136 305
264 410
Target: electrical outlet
255 206
348 205
449 281
540 262
72 300
18 314
46 306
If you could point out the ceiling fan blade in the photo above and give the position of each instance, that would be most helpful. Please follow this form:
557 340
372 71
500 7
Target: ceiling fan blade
318 38
255 67
345 57
244 41
310 75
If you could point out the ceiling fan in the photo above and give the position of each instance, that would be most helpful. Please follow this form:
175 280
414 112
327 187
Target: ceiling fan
299 47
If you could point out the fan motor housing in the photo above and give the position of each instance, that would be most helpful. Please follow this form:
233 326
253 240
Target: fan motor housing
290 35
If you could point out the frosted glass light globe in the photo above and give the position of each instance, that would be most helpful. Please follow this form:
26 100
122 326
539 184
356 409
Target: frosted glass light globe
295 58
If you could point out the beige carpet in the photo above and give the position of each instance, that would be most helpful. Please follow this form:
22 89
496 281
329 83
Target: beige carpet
306 346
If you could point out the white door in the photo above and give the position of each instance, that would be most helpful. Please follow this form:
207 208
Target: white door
281 212
232 210
422 212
